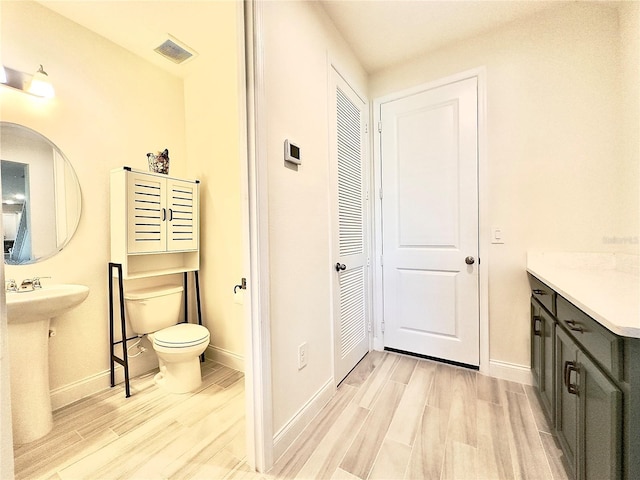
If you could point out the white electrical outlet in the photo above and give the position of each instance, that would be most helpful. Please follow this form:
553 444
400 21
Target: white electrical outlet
302 355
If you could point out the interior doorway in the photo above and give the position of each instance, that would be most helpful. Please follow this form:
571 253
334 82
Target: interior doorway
348 145
429 159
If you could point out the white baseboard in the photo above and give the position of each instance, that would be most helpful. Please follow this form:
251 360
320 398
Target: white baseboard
95 383
294 427
77 390
496 368
510 371
225 357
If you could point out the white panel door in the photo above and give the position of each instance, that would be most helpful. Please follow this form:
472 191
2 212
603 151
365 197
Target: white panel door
350 266
430 222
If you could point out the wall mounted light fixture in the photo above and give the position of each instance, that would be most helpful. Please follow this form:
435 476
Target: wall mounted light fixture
40 85
37 84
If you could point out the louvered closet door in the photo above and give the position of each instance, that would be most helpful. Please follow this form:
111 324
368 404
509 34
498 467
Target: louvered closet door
351 337
146 226
182 215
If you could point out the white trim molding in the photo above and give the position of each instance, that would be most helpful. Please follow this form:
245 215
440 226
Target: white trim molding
259 411
75 391
510 371
225 357
303 417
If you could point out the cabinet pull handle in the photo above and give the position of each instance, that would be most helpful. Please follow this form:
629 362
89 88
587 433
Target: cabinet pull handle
536 328
537 291
164 214
568 368
573 325
170 214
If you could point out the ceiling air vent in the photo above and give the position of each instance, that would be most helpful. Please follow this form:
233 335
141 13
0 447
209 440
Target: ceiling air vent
175 51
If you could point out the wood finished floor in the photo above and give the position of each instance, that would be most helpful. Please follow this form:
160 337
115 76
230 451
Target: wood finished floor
394 417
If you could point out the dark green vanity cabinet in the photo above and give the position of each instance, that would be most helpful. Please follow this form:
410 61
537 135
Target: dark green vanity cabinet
589 413
543 326
588 381
567 402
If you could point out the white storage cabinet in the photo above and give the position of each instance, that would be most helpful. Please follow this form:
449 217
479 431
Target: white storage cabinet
154 223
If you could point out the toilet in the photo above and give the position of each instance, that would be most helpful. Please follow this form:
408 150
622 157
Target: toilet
154 312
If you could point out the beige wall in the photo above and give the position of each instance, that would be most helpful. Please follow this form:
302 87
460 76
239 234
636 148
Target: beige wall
110 109
212 102
298 40
629 18
554 146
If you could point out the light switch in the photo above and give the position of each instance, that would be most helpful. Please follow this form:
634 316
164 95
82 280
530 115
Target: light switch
497 235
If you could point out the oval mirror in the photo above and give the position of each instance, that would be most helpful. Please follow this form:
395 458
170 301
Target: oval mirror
40 195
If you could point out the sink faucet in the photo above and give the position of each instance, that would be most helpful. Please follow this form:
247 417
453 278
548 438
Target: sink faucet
11 285
26 285
36 282
30 284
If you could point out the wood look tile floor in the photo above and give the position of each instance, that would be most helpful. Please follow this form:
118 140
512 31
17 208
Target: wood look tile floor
394 417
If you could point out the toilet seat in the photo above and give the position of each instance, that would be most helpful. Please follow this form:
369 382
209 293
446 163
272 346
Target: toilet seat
182 335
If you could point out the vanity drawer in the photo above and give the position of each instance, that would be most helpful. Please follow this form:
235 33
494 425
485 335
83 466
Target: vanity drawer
541 292
603 345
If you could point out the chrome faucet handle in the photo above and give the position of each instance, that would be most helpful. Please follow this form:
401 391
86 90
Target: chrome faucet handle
36 282
11 285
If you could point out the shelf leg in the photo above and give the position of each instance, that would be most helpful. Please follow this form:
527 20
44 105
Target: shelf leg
197 279
111 340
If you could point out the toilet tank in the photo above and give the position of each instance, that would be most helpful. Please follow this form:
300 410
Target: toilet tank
154 308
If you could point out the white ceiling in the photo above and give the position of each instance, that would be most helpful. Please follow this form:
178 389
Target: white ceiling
387 32
381 32
142 25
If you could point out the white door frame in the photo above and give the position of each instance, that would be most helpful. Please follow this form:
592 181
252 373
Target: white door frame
484 227
254 178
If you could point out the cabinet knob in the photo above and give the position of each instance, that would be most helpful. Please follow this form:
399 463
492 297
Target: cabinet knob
340 266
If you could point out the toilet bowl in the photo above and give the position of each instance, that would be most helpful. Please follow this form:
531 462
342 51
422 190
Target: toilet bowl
154 312
179 348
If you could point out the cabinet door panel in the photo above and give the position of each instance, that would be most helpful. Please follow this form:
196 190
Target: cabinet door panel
543 356
547 387
566 401
601 423
145 216
536 342
182 204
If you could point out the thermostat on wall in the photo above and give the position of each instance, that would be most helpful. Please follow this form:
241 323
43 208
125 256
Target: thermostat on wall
292 153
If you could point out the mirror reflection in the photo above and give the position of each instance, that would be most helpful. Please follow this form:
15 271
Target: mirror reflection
40 195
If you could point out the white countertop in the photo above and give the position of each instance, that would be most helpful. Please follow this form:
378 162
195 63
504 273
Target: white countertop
604 286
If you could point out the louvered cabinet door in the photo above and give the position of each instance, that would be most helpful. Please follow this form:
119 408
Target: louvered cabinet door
182 215
146 214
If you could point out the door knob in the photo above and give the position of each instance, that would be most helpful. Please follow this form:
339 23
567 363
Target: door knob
340 266
469 260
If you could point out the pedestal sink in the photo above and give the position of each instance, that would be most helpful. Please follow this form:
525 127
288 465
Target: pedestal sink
28 316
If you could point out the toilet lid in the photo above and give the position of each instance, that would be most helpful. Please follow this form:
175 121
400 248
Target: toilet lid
181 335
